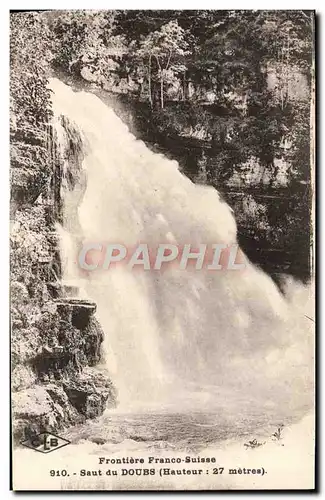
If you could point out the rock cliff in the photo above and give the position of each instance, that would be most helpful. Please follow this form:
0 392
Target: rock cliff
56 340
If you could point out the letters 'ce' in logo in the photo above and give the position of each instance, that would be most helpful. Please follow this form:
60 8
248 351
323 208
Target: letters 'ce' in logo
45 442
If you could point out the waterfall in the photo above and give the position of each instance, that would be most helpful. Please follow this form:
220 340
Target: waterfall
177 330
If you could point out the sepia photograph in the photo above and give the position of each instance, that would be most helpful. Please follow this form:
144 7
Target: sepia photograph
162 250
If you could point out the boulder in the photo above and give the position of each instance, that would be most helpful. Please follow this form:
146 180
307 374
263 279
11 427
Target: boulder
22 377
33 413
90 393
42 408
60 404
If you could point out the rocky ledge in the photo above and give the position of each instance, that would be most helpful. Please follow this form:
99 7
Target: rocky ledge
57 381
55 406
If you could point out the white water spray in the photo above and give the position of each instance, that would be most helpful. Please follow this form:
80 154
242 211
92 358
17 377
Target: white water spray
166 332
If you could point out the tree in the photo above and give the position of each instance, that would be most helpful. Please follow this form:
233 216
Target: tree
168 48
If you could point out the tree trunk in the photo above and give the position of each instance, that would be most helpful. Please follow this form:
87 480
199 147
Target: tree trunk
161 82
184 86
162 92
149 82
282 78
288 65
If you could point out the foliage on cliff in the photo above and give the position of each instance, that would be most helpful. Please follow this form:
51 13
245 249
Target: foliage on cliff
217 58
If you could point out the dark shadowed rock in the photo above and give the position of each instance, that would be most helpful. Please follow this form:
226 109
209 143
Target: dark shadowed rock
90 393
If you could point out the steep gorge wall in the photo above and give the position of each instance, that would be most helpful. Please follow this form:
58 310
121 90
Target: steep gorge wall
55 340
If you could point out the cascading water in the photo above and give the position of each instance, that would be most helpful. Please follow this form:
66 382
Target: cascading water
175 331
